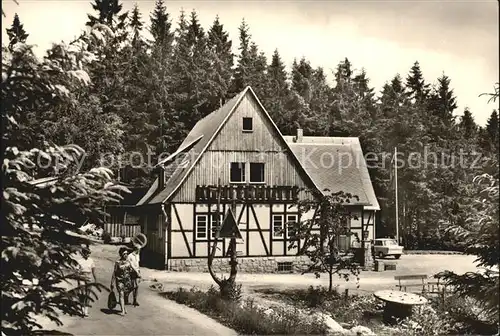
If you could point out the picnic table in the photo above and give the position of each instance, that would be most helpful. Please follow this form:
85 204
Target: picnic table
398 305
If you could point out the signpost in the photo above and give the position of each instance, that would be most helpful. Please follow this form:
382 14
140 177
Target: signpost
228 230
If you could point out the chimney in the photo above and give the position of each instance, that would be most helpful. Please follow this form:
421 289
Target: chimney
299 136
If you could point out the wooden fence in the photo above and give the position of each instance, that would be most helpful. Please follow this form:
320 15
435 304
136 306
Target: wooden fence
121 224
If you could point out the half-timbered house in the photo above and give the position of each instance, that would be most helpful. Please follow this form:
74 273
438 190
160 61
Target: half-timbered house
261 175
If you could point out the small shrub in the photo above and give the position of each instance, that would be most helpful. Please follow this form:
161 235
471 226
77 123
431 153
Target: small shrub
247 317
106 237
316 296
313 297
425 321
181 296
230 291
458 316
352 309
466 316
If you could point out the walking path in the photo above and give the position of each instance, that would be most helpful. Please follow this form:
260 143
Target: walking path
155 316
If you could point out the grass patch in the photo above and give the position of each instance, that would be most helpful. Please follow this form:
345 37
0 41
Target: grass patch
246 317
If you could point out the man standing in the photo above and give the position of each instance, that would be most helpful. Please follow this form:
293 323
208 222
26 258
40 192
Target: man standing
133 258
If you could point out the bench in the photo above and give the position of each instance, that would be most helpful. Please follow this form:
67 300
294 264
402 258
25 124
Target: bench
438 288
420 280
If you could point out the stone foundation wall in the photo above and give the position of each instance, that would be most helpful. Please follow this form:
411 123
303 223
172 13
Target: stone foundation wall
245 264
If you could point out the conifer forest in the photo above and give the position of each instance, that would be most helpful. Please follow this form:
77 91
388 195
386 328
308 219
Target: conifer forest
147 94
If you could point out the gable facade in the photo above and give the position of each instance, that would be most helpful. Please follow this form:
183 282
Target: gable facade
263 144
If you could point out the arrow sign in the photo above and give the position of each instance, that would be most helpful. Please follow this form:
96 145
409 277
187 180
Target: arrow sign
229 228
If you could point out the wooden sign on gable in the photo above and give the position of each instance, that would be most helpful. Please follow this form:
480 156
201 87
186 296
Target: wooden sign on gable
229 227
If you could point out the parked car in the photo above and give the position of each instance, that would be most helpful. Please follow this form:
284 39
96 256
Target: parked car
387 247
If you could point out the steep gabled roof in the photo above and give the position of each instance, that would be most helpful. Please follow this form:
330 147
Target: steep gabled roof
209 127
170 167
336 163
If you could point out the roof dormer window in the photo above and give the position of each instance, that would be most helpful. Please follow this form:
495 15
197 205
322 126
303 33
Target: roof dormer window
247 125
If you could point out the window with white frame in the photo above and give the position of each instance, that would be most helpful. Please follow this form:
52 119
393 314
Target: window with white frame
291 223
277 225
201 226
237 173
256 172
213 225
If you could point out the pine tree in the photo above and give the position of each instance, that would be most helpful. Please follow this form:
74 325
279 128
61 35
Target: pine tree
16 32
360 84
136 26
257 70
221 55
240 80
182 76
492 126
489 135
276 72
416 85
194 90
195 31
442 101
161 26
108 13
277 93
468 126
343 75
393 96
302 73
202 89
181 50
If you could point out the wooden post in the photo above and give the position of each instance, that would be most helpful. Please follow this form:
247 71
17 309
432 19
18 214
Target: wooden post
211 257
226 286
233 262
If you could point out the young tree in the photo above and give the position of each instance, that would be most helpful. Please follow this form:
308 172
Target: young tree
43 215
16 32
480 236
330 222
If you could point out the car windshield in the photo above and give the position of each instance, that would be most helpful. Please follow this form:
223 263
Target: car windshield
390 242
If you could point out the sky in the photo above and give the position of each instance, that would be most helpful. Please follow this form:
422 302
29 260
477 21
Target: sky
457 38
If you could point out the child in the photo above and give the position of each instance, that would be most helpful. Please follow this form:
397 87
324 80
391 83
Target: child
87 272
